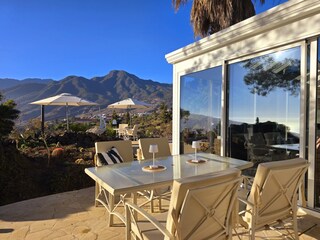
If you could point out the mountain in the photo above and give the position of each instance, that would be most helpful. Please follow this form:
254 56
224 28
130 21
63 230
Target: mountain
115 86
9 82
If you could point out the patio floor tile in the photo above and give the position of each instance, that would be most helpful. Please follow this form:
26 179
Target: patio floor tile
72 215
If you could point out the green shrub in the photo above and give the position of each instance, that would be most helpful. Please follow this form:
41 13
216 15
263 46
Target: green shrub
79 127
110 132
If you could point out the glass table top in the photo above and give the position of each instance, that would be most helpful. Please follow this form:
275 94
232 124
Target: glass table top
130 176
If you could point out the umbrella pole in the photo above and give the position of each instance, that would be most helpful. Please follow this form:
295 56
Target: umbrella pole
67 116
42 119
129 116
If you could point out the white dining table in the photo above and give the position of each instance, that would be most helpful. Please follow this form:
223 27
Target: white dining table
130 178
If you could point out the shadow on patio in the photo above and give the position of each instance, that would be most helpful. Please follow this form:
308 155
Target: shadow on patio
72 215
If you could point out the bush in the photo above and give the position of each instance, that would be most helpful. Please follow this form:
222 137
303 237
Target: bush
110 132
79 127
8 113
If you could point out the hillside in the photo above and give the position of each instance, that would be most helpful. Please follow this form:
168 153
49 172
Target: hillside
115 86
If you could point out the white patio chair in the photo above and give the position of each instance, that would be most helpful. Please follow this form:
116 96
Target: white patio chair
126 152
122 129
163 151
131 133
273 194
163 147
200 208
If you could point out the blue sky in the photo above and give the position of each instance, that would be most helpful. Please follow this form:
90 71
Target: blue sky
57 38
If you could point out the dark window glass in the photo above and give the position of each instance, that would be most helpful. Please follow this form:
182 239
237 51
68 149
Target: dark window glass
200 113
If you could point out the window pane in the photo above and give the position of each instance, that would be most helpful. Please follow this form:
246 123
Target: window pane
200 101
264 107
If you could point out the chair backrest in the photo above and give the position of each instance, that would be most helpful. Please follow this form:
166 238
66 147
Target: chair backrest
274 189
163 147
133 131
122 127
257 139
124 148
201 206
273 138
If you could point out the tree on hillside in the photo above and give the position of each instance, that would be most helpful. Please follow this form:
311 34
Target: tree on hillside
210 16
127 118
165 114
184 114
266 74
8 114
114 115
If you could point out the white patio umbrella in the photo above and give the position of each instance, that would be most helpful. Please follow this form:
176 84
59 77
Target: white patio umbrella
63 99
129 104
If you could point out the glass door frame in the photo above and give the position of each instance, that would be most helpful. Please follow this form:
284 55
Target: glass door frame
312 120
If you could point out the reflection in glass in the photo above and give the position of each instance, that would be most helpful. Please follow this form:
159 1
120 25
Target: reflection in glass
317 155
264 107
200 113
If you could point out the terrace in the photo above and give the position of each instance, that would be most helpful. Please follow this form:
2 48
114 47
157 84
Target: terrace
72 215
281 44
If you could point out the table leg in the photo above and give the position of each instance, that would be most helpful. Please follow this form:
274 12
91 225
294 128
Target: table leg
97 191
111 206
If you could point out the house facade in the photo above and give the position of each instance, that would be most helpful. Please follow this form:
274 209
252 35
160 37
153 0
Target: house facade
251 91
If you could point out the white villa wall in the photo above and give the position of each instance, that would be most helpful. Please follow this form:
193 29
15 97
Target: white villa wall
293 23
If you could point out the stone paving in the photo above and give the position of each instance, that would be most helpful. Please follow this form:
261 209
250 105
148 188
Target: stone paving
72 215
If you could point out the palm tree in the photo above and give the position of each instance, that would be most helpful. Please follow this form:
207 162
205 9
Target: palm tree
210 16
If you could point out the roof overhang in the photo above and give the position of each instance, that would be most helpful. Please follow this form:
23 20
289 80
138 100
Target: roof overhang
278 16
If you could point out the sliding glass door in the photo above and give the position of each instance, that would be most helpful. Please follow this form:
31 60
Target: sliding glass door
264 107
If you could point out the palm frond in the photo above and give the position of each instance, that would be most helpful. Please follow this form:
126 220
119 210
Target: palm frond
210 16
178 3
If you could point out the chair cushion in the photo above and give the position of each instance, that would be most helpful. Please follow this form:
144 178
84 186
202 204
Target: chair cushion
123 147
112 156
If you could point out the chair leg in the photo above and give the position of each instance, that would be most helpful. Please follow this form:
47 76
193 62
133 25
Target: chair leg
229 230
152 205
295 224
159 203
252 225
128 223
252 232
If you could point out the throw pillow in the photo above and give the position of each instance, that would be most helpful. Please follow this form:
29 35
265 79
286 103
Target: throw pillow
110 157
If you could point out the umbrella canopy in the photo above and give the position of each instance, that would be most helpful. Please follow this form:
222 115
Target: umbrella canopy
129 104
63 99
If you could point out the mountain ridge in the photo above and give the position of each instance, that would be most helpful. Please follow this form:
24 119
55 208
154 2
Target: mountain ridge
10 82
115 86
